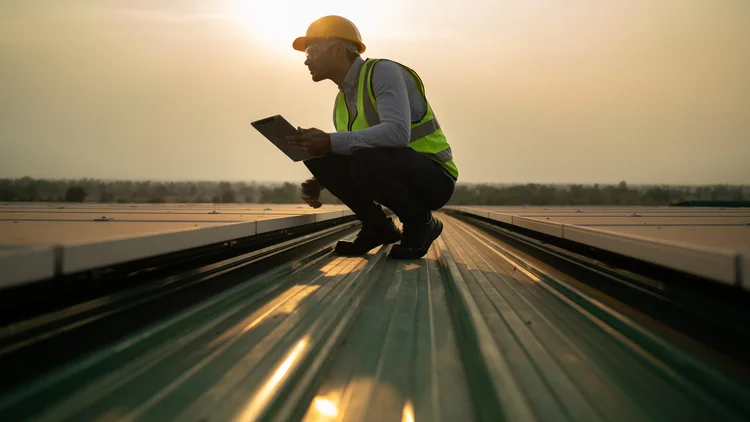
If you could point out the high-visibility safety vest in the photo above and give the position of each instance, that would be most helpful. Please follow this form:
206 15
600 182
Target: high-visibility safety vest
426 136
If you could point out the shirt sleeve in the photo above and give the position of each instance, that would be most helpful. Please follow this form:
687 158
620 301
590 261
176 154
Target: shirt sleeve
392 98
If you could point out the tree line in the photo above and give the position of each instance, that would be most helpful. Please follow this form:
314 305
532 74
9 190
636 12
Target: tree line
29 189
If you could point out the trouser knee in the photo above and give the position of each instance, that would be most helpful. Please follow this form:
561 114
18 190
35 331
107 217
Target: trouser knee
319 165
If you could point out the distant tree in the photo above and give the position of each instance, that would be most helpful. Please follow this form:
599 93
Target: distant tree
29 189
225 186
8 193
250 194
106 196
227 197
287 193
226 193
656 196
75 194
160 190
142 189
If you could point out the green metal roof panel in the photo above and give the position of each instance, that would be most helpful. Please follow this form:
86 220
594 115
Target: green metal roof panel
570 363
401 358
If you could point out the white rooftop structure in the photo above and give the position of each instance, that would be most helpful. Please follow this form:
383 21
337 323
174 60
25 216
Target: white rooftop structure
709 242
40 240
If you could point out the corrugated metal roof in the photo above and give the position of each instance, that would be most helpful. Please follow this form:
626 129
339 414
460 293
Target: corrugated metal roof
476 330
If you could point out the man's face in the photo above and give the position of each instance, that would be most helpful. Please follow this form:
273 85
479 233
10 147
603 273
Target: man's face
320 59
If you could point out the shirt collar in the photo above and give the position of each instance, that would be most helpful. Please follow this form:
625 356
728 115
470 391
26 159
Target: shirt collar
352 76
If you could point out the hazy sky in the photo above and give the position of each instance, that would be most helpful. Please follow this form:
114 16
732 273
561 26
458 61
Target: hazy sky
583 91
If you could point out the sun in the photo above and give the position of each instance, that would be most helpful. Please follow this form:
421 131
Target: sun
276 23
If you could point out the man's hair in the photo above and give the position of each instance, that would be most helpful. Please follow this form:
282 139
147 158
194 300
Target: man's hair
352 52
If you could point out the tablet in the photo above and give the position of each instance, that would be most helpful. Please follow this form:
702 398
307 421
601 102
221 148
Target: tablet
276 129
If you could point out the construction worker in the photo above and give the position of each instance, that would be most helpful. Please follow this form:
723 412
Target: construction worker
388 148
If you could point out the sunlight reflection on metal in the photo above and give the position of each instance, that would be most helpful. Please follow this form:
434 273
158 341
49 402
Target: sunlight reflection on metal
253 409
298 295
411 267
326 407
344 266
333 264
289 298
408 413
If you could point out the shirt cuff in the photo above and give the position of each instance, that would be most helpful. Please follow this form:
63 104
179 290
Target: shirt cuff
339 142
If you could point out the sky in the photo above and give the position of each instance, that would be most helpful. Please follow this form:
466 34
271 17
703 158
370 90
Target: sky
534 91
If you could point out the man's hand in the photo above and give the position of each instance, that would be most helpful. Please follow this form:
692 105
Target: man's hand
310 193
313 141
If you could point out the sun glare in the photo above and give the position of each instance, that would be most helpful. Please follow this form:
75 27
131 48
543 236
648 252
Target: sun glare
276 23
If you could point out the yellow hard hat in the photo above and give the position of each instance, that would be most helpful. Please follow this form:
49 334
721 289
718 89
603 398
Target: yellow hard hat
331 27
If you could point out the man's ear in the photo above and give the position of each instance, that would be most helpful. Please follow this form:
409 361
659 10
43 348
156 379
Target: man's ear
339 51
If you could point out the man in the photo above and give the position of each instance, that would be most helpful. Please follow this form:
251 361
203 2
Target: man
388 148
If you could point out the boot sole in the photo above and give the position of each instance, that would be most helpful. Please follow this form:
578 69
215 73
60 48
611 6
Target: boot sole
411 253
394 239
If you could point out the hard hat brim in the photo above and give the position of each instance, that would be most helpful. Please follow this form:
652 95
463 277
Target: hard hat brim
300 43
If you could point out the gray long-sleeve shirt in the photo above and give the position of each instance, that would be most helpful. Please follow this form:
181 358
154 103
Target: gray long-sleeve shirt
399 103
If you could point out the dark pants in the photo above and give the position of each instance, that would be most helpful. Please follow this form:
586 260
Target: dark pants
406 182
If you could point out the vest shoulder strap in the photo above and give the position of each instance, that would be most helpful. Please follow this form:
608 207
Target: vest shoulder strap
370 89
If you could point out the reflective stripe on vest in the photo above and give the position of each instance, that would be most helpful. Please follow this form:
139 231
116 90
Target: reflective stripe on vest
426 136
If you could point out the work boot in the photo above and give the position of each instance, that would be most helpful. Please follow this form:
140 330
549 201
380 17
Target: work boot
371 236
417 239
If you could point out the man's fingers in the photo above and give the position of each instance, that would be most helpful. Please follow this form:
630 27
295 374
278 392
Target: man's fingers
307 149
303 137
310 184
309 130
315 203
304 134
